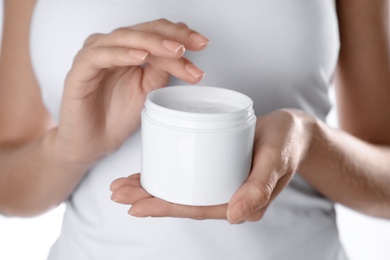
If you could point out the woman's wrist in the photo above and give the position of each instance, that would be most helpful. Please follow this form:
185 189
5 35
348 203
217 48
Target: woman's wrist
319 150
64 153
313 141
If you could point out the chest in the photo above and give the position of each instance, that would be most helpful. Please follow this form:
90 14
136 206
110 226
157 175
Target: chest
254 43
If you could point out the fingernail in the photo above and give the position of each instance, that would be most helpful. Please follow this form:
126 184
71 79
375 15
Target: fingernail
132 213
239 212
135 213
173 46
200 39
138 54
194 71
115 199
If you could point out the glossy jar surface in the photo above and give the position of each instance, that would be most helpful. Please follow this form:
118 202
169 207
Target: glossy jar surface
197 144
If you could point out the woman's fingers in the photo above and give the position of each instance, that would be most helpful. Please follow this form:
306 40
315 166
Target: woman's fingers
160 38
131 181
154 207
267 179
129 195
160 43
105 57
179 32
129 191
90 61
181 68
256 193
153 43
281 142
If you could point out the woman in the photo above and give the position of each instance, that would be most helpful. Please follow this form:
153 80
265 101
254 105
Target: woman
69 146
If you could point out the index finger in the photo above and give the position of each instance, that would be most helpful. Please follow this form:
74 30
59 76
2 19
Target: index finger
178 32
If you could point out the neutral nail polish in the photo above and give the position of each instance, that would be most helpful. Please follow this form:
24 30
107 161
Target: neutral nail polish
135 213
194 71
115 199
173 46
138 54
200 39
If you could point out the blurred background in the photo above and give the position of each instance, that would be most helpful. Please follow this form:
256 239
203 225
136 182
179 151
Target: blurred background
364 238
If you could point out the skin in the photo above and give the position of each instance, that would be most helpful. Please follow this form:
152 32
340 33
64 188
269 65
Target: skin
349 165
106 81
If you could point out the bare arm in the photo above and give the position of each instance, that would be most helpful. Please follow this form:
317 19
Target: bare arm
352 171
41 162
350 166
33 176
22 113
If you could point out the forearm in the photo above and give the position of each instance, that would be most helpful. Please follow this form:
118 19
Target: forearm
349 171
36 177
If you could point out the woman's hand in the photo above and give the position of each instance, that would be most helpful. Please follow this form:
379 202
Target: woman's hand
106 87
282 140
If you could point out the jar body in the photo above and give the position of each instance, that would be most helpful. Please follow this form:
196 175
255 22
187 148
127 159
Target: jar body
192 167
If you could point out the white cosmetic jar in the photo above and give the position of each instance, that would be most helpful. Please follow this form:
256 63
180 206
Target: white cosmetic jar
197 144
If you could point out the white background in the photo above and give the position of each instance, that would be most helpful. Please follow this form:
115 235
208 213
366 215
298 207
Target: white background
364 238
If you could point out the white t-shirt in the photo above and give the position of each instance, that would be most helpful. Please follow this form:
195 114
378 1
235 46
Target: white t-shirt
282 53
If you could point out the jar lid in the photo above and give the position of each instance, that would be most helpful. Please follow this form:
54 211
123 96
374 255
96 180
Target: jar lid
199 108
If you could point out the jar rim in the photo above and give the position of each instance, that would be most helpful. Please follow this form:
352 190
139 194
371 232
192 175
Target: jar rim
158 108
160 99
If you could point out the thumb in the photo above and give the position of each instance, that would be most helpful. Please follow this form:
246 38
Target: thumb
252 196
256 192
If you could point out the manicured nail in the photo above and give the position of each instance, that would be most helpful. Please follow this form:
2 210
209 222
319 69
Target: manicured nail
239 211
135 213
173 46
194 71
200 39
115 199
138 54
